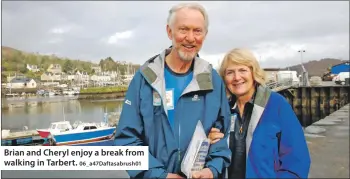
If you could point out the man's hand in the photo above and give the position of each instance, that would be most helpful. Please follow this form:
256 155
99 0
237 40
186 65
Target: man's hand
204 173
215 135
173 175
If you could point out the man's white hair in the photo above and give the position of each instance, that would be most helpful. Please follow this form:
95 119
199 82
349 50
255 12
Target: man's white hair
195 6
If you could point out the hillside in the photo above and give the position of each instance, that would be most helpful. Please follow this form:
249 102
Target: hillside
6 51
15 61
317 67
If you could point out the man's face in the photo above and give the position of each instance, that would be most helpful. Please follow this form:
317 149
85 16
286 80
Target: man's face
187 33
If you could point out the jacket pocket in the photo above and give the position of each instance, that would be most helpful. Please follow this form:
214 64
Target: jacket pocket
268 149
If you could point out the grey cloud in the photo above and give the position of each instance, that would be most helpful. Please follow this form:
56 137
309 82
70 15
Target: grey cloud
279 21
278 27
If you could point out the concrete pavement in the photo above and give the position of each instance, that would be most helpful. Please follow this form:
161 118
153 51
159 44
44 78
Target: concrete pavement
328 141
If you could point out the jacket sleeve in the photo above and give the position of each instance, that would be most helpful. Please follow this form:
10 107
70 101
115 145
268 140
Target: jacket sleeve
294 153
219 155
130 130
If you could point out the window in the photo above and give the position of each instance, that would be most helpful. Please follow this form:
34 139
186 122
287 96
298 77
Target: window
89 127
62 126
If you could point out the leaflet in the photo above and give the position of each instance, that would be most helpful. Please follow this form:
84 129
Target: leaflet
194 159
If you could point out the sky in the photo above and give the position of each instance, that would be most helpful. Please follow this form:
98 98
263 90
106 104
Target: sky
135 31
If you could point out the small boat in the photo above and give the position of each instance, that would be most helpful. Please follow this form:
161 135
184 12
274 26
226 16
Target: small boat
89 134
68 92
20 138
40 92
50 93
12 94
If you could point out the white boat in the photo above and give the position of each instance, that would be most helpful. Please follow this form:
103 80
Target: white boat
68 92
49 93
62 133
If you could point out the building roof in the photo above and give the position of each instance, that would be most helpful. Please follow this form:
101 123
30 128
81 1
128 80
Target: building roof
344 63
273 69
21 80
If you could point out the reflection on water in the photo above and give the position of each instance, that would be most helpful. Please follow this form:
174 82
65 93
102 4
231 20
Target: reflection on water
40 113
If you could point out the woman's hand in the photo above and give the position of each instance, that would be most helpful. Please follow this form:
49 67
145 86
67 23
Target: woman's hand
215 135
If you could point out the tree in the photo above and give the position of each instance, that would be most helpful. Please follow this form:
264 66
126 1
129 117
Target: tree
3 78
22 68
68 66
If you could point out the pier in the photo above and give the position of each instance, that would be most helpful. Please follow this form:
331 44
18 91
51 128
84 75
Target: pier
328 141
21 138
314 102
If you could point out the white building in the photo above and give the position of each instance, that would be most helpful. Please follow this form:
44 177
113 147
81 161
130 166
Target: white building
22 83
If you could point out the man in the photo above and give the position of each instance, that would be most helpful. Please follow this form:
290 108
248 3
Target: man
169 94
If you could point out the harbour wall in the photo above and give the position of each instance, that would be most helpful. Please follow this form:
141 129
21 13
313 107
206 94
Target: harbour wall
313 103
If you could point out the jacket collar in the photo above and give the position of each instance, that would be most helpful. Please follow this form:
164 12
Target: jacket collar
262 97
153 71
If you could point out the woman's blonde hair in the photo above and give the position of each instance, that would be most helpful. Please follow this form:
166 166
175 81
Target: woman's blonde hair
245 57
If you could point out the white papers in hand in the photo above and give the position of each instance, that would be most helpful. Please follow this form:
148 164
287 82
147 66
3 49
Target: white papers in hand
194 159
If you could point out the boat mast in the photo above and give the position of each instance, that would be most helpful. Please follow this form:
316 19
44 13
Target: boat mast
64 116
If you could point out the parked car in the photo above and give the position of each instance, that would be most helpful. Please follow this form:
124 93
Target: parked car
340 78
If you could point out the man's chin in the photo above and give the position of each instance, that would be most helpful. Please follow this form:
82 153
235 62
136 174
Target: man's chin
187 57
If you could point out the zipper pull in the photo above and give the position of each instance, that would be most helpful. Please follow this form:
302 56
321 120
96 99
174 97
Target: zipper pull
240 129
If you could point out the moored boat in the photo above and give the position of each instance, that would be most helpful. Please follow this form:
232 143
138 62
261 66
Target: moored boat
55 128
62 133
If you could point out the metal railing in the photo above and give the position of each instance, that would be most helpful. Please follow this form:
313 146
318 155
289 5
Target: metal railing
280 85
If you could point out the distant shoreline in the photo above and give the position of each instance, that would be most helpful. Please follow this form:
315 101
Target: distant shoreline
86 93
102 96
33 101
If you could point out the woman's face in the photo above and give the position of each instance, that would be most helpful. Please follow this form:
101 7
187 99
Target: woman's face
239 79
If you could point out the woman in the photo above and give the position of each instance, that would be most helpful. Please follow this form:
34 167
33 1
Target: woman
266 138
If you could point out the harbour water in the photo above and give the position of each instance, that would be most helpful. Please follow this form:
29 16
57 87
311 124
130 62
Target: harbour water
40 112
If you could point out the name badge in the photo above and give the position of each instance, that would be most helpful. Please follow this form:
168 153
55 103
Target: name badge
157 101
169 96
233 120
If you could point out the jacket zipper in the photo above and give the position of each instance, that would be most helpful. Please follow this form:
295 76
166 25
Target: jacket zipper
179 139
179 149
